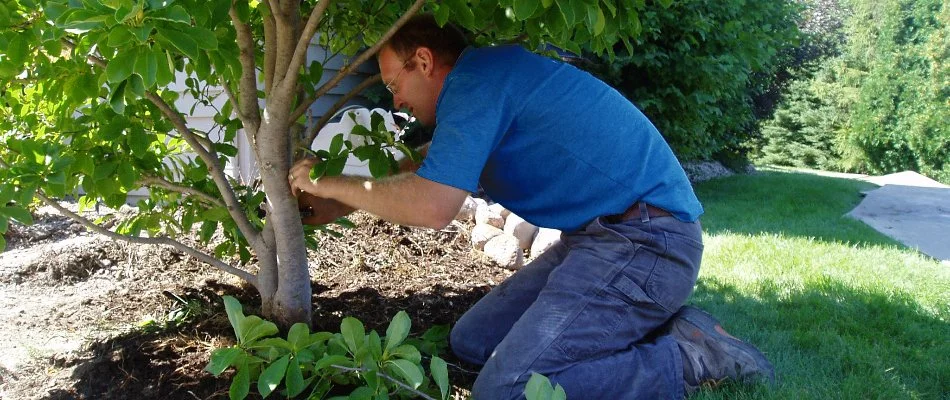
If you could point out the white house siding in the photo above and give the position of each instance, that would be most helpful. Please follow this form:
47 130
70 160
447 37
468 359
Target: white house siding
244 167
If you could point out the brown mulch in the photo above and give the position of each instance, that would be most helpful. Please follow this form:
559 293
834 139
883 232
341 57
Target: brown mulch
372 272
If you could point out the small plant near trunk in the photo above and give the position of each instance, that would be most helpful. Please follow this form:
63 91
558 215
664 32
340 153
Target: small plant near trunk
379 367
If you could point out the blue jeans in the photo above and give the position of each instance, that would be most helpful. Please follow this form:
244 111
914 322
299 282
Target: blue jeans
585 314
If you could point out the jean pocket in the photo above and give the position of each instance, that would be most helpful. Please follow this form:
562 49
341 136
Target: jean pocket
673 277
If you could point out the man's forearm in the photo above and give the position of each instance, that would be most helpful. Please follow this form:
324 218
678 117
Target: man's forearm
405 198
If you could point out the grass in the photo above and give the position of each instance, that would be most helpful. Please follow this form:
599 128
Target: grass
842 311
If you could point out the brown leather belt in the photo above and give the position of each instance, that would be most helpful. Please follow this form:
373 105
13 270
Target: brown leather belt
634 212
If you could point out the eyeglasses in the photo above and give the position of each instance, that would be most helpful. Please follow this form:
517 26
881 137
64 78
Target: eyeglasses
389 86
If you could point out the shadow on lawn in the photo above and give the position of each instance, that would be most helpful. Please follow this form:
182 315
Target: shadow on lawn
169 364
790 204
831 340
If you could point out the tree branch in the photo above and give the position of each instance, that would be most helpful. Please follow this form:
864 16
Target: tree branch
303 44
155 181
313 130
247 276
270 50
342 73
217 172
387 377
248 109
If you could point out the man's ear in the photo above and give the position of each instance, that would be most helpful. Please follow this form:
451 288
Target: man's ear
426 60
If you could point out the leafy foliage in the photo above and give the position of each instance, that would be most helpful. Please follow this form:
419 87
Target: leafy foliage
378 367
882 103
692 70
95 96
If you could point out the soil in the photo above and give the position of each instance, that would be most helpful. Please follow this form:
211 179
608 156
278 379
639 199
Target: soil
83 317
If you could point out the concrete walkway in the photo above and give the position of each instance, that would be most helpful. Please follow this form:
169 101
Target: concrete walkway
912 209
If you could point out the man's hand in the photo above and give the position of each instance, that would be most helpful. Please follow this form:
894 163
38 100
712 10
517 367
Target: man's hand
300 177
318 210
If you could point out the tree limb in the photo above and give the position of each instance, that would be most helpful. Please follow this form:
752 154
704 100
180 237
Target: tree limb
270 50
217 172
247 276
342 73
303 44
313 130
165 184
248 109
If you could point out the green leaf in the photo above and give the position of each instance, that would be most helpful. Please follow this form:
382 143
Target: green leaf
353 333
241 384
181 41
272 376
595 19
462 12
335 166
174 13
207 230
146 66
20 214
299 336
559 393
294 379
235 314
203 37
4 225
256 328
406 351
121 66
549 3
567 10
375 346
318 171
136 87
329 360
141 33
105 170
336 144
221 359
525 8
408 370
316 72
117 98
442 14
398 330
3 243
127 175
379 165
440 374
666 3
538 387
119 36
166 66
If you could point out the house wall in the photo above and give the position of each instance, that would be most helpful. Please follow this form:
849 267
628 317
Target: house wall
244 167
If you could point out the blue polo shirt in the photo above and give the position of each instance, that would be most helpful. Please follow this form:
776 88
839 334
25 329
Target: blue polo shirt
550 142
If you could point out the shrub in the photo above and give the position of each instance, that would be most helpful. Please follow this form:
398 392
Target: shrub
691 70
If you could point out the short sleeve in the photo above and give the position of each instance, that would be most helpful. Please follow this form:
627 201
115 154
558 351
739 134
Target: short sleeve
472 116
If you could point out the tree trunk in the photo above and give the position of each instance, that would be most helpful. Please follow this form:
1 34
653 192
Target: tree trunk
291 303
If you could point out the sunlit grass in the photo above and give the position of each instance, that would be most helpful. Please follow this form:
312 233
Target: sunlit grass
841 310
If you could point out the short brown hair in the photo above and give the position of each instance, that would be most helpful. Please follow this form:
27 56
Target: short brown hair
446 42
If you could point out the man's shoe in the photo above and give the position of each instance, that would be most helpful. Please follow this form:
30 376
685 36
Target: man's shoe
711 355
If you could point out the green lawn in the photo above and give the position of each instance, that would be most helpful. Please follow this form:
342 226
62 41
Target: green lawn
842 311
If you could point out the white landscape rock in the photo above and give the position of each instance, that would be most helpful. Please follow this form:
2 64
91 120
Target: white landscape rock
500 209
485 215
545 238
521 229
505 250
482 233
467 211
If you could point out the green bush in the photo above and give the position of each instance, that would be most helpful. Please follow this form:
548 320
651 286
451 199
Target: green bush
879 105
694 69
